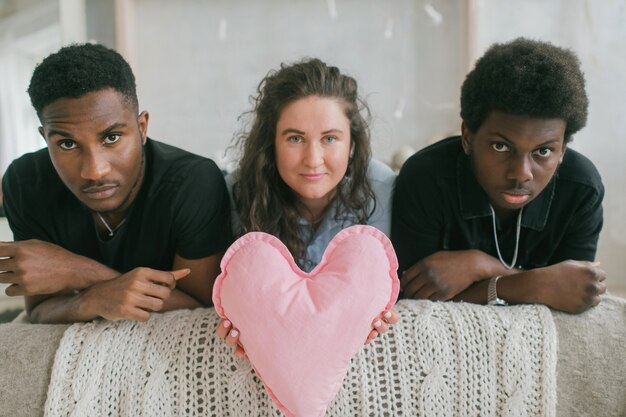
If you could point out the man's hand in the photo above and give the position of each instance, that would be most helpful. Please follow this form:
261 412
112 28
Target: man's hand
34 267
445 274
131 296
570 286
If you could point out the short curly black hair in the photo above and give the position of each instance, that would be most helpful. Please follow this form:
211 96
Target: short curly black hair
526 77
78 69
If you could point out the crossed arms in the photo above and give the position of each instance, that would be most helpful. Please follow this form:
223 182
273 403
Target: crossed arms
62 287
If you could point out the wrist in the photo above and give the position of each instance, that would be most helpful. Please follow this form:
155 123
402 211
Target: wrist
87 304
487 266
493 297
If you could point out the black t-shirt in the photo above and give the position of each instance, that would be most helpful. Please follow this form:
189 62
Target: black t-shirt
182 208
439 205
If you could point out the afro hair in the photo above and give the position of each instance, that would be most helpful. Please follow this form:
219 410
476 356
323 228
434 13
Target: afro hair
526 77
78 69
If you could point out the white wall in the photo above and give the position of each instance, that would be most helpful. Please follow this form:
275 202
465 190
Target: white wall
198 61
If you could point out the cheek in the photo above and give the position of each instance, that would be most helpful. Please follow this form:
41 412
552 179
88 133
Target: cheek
287 162
129 158
67 166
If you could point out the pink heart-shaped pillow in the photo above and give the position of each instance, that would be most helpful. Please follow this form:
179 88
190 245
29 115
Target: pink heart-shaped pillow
300 330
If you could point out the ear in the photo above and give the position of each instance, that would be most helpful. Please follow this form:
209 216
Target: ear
466 139
42 133
563 153
142 121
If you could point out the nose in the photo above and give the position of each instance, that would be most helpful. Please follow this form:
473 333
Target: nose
520 169
313 155
95 166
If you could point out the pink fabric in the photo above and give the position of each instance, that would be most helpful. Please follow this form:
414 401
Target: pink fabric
300 330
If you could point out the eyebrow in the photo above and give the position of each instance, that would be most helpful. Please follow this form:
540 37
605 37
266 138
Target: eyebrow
104 132
291 130
118 125
300 132
548 142
58 132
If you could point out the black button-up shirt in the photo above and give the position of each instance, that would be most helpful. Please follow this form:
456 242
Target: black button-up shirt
439 205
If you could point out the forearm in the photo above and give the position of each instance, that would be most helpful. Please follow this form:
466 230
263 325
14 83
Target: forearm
85 272
518 288
62 308
179 300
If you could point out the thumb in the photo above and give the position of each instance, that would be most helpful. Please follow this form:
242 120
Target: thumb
180 273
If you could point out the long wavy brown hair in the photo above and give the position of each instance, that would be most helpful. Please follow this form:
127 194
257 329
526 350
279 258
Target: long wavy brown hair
263 200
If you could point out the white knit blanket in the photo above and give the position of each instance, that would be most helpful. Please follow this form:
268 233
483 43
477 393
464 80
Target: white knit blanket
441 359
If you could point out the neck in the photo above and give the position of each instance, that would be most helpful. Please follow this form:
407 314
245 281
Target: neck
505 217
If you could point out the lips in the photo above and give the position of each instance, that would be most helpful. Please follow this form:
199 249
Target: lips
312 177
516 197
100 193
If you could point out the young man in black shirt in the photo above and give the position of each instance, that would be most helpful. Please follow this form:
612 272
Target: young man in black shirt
506 213
107 222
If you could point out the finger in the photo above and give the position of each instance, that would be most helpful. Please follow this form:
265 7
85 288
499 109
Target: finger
425 292
181 273
178 275
137 314
233 338
440 296
414 287
8 277
165 278
601 287
14 290
7 249
157 290
149 303
240 353
379 325
391 316
409 276
371 336
223 328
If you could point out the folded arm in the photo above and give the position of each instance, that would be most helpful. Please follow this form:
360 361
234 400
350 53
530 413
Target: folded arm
62 287
570 286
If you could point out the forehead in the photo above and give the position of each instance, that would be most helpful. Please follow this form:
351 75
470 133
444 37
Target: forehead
312 110
523 129
97 107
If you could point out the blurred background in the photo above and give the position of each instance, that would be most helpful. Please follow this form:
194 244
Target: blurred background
198 61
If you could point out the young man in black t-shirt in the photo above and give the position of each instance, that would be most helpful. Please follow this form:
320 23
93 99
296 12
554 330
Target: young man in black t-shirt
506 213
107 222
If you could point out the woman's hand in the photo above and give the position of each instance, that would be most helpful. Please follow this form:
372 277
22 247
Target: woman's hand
230 335
381 323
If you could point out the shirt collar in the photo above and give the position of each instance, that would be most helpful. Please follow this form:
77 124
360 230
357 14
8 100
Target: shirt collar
474 202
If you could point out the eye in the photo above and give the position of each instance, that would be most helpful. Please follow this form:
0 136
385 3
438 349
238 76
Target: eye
500 147
295 139
66 144
112 138
543 152
330 139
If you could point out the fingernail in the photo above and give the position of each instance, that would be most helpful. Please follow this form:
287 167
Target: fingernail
227 323
387 315
234 333
377 323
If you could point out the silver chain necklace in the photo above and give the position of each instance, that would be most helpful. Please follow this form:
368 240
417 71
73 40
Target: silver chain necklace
517 233
111 230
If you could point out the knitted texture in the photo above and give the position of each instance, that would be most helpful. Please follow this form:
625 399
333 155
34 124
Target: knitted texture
441 359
